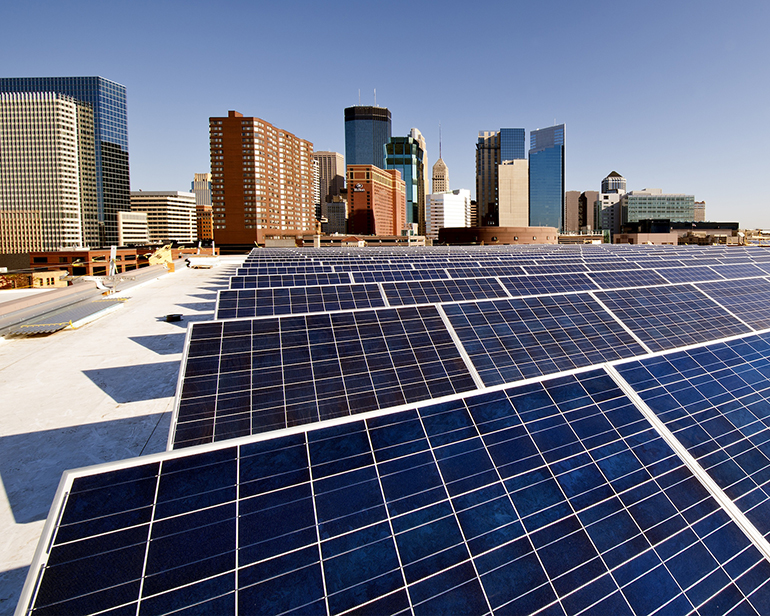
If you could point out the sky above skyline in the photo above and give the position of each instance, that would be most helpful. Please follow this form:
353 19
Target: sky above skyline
671 95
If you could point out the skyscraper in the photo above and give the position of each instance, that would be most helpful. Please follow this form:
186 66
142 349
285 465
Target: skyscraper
331 167
546 177
492 148
107 101
406 155
614 183
440 180
262 181
367 130
48 187
201 188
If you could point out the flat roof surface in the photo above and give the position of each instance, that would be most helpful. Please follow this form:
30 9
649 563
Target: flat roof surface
81 397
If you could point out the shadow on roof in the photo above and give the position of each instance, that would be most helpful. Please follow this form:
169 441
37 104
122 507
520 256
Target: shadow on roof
199 306
11 583
164 344
30 479
126 384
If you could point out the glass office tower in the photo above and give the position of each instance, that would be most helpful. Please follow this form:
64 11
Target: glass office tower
108 101
406 155
512 142
367 130
546 177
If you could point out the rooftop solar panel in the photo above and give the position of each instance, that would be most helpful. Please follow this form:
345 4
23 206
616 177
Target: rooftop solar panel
548 284
692 273
555 269
716 402
247 303
555 497
601 266
398 275
437 291
747 299
632 278
288 280
246 377
510 340
744 270
671 316
479 272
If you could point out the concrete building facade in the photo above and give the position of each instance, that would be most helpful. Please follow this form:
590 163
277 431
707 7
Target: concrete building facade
133 229
513 193
262 181
376 200
493 147
170 214
331 174
440 180
447 209
48 193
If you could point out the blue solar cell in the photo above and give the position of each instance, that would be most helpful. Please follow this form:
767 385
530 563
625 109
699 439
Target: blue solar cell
509 340
548 284
437 291
619 279
749 300
671 316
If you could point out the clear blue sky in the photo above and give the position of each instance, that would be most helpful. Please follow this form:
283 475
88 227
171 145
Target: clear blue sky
671 94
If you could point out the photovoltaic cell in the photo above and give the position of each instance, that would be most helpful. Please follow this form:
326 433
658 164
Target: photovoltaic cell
548 284
671 316
244 303
246 377
287 280
437 291
487 270
556 496
749 300
716 401
633 278
744 270
555 269
398 275
510 340
695 273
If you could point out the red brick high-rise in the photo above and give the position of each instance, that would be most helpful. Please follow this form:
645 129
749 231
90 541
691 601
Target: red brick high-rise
261 181
376 201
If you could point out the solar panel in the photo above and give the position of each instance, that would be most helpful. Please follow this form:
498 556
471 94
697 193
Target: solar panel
510 340
601 266
548 284
487 270
399 275
287 280
246 377
716 401
693 273
671 316
246 303
555 269
555 496
749 300
437 291
619 279
746 270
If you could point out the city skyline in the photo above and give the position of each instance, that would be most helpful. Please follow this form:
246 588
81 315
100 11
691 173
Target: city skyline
662 119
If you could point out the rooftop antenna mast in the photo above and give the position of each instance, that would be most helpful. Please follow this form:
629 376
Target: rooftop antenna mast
375 97
439 139
359 97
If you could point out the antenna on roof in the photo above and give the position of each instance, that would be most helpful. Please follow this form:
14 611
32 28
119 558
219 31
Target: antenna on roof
375 97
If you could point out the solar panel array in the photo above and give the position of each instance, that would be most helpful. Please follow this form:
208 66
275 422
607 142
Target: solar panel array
550 429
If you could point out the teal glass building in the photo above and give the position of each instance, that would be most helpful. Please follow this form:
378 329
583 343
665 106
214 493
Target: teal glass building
546 177
367 130
406 155
108 101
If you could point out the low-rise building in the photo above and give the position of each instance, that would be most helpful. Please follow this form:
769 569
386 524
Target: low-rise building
171 215
133 229
447 209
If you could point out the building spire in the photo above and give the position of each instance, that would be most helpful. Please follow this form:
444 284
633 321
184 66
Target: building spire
439 139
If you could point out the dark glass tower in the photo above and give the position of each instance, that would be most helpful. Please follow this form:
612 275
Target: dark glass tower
512 142
108 101
367 130
546 177
406 155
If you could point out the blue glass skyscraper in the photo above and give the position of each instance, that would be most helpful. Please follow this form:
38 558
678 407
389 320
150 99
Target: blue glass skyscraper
108 101
367 130
406 155
546 177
